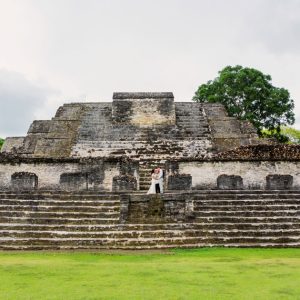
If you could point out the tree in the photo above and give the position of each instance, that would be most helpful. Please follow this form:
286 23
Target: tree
249 95
292 134
1 143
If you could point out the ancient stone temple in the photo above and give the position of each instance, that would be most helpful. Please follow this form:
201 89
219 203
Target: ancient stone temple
80 179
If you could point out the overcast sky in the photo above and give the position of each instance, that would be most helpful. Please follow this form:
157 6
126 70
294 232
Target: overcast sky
57 51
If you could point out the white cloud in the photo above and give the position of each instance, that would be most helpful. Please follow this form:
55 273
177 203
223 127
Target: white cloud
96 47
20 98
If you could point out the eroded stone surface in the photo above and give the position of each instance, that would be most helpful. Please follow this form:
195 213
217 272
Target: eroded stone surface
138 125
94 146
279 182
230 182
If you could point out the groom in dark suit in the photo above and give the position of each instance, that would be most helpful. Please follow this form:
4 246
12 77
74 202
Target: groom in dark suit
159 185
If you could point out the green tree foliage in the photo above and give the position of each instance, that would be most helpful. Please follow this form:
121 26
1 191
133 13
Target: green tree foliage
1 143
249 95
292 133
288 134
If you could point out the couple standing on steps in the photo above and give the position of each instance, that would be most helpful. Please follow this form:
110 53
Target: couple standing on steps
157 181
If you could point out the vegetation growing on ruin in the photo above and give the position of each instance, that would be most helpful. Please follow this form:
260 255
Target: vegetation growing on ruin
248 94
212 273
1 143
292 134
287 134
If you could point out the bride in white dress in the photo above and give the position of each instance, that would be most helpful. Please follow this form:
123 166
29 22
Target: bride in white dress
154 180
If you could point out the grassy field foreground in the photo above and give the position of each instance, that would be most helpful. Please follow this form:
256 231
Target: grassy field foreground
178 274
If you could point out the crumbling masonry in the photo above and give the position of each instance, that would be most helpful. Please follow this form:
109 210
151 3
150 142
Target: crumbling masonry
79 179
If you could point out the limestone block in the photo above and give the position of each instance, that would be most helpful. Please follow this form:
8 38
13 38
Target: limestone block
70 111
229 182
180 182
279 182
124 183
39 126
146 208
157 208
63 129
48 173
53 147
225 126
214 110
142 95
73 181
30 142
144 109
223 143
12 144
254 173
24 181
248 128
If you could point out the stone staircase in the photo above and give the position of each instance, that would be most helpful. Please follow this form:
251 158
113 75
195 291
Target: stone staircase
89 220
145 168
191 120
250 218
100 135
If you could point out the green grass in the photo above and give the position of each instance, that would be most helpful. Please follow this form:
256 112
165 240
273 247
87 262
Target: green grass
179 274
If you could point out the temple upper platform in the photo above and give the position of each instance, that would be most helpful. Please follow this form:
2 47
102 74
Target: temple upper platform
137 125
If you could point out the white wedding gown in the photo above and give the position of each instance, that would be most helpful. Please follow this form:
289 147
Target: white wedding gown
152 187
154 181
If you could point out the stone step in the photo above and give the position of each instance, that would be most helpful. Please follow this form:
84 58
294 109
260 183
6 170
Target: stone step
194 129
246 213
192 121
197 113
244 219
145 247
200 216
73 203
147 234
256 227
59 221
253 196
145 175
189 115
145 179
248 207
244 203
196 110
59 208
146 183
59 197
153 242
184 124
58 214
239 192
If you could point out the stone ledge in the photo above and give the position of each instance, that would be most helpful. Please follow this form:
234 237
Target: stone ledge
122 95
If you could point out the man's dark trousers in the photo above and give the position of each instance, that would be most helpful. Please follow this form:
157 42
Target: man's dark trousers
157 188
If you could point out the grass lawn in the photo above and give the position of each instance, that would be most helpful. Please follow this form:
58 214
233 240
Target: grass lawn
215 273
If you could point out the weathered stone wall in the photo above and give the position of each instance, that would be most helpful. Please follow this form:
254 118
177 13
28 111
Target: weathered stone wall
11 144
138 125
107 131
144 109
62 176
141 208
228 132
253 173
